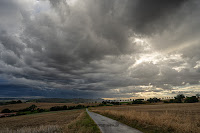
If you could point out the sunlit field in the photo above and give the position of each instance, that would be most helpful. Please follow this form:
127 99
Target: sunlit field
183 118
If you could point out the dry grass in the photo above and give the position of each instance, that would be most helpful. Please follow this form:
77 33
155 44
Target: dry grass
71 121
39 105
36 120
40 129
183 118
70 128
83 124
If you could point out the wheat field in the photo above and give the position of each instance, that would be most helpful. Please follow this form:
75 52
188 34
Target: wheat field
179 118
32 121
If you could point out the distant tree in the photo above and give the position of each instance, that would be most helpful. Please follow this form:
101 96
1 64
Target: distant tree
116 103
40 110
198 95
6 111
32 107
19 101
79 106
104 102
192 99
137 101
153 100
65 107
11 102
179 98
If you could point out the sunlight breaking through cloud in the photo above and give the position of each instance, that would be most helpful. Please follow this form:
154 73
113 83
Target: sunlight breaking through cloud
101 48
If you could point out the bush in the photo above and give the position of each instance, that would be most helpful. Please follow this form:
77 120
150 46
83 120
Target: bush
192 99
137 102
116 103
6 111
56 108
32 108
179 98
101 104
71 107
14 102
108 102
153 100
173 101
166 101
104 102
19 101
40 110
65 107
80 106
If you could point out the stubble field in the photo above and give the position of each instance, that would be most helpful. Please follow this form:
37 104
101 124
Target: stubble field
58 119
180 118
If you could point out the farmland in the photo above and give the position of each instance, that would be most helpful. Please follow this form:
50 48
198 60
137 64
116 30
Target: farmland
75 120
36 120
39 105
60 121
149 118
181 118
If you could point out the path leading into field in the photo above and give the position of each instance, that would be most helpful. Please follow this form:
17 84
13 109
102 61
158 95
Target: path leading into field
108 125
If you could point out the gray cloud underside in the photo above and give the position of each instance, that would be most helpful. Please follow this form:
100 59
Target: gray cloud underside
89 46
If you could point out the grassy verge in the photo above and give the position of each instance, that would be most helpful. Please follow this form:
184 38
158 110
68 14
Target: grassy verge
83 124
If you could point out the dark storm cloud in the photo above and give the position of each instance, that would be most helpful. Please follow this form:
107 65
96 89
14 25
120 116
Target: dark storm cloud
88 48
149 17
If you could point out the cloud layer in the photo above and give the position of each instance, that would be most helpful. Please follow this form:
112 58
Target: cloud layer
87 48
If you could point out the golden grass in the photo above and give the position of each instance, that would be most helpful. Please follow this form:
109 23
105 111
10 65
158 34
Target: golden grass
39 105
60 118
40 129
71 121
83 124
183 118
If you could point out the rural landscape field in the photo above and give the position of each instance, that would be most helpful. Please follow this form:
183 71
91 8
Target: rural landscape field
76 120
180 118
99 66
147 117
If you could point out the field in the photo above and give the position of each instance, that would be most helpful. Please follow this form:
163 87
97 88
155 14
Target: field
183 118
36 120
72 121
149 118
39 105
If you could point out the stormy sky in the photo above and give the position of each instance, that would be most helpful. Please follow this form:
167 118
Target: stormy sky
99 48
